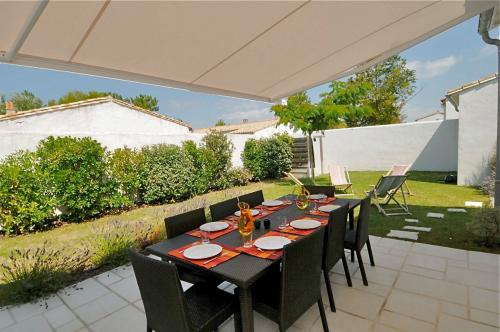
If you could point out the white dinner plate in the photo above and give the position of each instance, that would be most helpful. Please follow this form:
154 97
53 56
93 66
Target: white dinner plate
202 251
272 242
253 211
328 208
305 224
272 203
214 226
318 196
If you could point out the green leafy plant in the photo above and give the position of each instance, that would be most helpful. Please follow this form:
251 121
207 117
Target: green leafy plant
268 157
167 174
24 204
201 179
486 226
125 166
239 176
77 176
33 273
488 184
217 151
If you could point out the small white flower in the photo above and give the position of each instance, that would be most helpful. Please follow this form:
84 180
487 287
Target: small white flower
57 212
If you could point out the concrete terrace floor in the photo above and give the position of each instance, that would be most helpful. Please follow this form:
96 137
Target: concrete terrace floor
413 287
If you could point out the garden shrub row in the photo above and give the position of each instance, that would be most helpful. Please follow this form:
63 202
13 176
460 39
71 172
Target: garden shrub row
268 158
73 179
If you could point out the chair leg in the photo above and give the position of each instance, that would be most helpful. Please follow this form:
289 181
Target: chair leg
352 255
370 253
148 329
237 320
362 268
324 322
329 291
346 270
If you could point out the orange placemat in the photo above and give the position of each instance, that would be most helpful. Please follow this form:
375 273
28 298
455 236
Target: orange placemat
324 200
226 254
267 254
291 230
213 235
319 213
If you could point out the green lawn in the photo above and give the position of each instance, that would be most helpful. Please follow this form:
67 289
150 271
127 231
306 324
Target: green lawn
429 195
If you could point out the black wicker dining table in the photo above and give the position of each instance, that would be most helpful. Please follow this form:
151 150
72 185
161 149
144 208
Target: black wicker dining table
242 270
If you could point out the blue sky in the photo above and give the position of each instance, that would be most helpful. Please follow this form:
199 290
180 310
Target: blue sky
450 59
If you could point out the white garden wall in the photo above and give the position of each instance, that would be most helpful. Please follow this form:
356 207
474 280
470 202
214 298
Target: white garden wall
429 146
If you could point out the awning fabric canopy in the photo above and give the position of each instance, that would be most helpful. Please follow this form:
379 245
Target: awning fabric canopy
250 49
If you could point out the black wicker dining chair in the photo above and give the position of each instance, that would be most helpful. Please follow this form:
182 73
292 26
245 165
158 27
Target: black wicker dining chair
285 296
253 199
327 190
180 224
168 308
355 239
334 248
223 209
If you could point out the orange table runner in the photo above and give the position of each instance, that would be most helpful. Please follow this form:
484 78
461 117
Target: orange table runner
304 232
213 235
208 263
267 254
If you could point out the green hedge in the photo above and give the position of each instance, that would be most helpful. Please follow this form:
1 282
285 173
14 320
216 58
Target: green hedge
268 158
73 179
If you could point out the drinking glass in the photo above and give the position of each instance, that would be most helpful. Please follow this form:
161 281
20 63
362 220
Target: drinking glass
245 224
313 207
205 236
283 222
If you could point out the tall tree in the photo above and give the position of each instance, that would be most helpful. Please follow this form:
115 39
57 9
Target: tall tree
220 123
2 104
391 85
26 100
145 101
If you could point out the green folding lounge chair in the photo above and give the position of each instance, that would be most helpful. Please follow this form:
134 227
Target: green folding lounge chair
385 191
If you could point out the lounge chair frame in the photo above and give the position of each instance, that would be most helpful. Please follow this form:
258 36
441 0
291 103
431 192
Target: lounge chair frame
398 169
345 187
385 191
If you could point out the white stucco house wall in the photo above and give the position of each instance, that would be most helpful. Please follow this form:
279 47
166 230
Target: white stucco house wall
477 113
112 122
258 129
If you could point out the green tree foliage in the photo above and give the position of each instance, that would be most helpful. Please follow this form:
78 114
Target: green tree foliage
2 104
268 158
390 84
144 101
217 152
125 166
26 100
220 123
77 176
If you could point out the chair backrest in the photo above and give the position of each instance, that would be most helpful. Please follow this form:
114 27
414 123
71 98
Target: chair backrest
338 175
223 209
389 183
363 221
334 237
293 178
398 170
253 199
161 293
300 277
327 190
181 223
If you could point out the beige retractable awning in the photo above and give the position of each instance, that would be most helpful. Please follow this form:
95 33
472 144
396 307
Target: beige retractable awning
251 49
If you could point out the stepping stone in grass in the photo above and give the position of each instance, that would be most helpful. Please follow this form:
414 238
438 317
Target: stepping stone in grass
411 220
403 235
435 215
415 228
474 204
457 210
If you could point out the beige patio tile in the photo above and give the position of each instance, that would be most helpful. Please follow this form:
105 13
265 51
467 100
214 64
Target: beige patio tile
307 320
395 244
404 323
374 239
423 272
398 252
27 310
372 287
452 262
378 275
124 271
100 307
483 258
139 305
130 317
107 278
444 252
384 328
339 268
81 293
439 289
127 288
474 278
485 317
33 324
450 323
5 318
74 325
385 260
413 305
484 267
343 322
484 299
59 316
356 302
454 309
263 324
426 261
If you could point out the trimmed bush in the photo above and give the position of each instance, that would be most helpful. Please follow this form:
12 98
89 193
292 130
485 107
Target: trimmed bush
200 179
486 227
167 174
24 203
268 157
77 176
125 166
239 176
217 150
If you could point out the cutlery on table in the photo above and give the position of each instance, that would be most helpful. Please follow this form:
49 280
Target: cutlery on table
212 259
